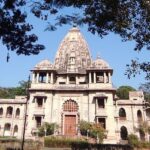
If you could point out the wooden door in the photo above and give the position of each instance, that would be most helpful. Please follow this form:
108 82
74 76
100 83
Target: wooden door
70 125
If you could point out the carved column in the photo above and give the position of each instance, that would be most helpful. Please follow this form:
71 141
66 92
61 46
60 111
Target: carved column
90 77
33 77
104 77
52 78
109 77
94 77
77 81
96 105
37 78
67 80
47 77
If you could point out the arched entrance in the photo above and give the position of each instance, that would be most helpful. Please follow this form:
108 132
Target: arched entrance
15 134
70 118
7 131
123 133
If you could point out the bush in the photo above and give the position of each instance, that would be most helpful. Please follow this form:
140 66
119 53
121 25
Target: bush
93 130
49 129
62 142
133 140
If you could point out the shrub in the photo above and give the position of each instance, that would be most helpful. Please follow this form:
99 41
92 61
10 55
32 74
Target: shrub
133 140
49 129
95 130
62 142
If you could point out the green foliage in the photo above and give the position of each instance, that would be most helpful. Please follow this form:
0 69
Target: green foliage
84 127
93 130
49 127
123 92
146 89
133 140
14 91
62 142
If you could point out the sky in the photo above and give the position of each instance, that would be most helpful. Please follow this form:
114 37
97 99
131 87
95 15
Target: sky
110 48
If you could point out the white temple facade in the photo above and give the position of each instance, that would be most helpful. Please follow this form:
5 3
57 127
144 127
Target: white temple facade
71 89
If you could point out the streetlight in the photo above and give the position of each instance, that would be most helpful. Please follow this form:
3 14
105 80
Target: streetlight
25 116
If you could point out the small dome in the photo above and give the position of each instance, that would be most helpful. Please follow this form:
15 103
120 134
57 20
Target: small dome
100 63
44 65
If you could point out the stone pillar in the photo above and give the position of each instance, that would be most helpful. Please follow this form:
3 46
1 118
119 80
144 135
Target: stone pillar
47 77
33 77
67 82
105 77
90 77
96 105
109 77
37 78
52 78
77 81
94 77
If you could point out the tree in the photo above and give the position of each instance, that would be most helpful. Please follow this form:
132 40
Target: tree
92 129
15 30
123 92
146 89
127 18
48 127
14 91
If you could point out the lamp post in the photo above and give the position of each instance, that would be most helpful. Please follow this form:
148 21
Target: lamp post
25 116
88 134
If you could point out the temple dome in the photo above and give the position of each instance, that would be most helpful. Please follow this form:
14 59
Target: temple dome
73 51
100 64
44 65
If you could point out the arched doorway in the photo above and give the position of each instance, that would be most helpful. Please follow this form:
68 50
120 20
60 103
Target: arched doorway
70 118
17 113
139 116
123 133
15 131
7 131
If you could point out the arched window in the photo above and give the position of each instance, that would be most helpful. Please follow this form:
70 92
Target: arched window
15 131
9 111
7 128
1 112
122 114
139 116
123 133
17 113
70 106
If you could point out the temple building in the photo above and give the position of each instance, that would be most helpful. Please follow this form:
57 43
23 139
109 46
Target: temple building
71 89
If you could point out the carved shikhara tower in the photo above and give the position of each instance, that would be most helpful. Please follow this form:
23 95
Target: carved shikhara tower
72 89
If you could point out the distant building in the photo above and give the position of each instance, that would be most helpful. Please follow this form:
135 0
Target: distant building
71 89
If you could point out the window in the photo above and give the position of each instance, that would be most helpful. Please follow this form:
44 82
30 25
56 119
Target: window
72 80
139 116
123 133
99 77
1 112
101 103
9 111
7 128
42 77
15 133
17 113
70 106
39 101
38 121
102 122
122 114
